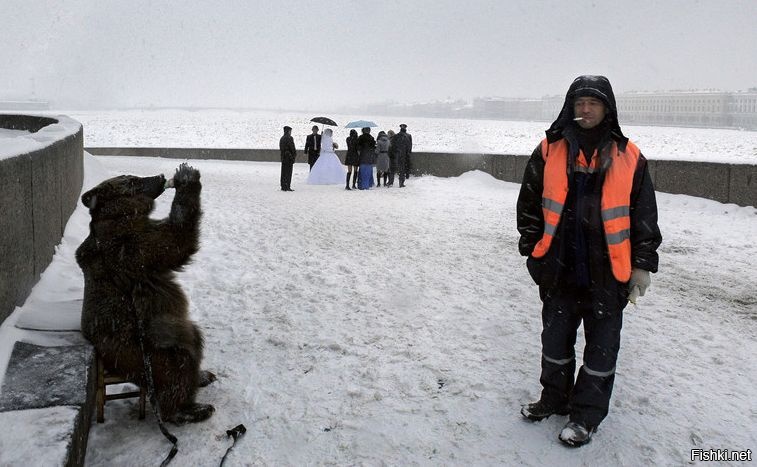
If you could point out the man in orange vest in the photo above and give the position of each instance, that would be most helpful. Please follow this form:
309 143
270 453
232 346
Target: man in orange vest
587 217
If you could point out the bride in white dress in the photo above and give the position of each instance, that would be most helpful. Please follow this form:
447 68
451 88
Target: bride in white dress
328 169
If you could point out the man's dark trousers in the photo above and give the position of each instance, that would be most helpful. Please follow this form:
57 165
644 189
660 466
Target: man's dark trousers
589 397
401 168
286 175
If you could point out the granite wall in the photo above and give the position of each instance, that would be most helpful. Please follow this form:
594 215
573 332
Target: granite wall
39 189
726 183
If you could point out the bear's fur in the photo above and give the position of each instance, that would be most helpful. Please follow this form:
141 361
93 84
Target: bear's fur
129 262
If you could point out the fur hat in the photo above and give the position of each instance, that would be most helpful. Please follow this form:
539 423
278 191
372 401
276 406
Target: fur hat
287 128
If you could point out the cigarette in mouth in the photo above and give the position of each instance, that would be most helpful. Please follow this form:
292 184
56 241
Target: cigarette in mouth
578 119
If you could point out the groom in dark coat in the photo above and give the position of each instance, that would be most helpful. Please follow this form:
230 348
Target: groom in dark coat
288 155
313 146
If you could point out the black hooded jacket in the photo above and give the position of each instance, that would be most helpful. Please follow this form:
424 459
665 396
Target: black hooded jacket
578 257
366 145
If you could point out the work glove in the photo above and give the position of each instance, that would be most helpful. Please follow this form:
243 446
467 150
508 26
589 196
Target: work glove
637 285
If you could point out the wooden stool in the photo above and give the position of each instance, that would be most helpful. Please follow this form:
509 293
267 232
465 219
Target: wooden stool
104 379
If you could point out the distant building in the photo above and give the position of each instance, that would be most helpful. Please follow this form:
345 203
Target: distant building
743 109
23 105
711 109
676 108
551 107
507 108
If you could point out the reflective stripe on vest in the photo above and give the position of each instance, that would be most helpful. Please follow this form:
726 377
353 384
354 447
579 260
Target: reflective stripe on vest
616 198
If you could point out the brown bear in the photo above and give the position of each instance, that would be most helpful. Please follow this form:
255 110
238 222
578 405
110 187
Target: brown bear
129 262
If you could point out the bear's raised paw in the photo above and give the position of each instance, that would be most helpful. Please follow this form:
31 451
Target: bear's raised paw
185 174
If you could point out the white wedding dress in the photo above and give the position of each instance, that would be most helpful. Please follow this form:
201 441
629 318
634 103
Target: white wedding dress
328 169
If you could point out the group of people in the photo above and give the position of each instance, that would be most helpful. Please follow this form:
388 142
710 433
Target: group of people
389 153
587 218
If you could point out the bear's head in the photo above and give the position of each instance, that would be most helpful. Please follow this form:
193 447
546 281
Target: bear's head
124 196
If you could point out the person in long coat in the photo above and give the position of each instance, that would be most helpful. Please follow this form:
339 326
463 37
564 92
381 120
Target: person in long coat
288 155
366 147
392 159
401 147
408 158
352 160
382 158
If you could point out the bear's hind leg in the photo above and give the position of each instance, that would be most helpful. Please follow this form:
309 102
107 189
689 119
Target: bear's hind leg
177 377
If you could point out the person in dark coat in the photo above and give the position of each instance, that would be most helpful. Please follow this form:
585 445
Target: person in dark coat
401 146
392 159
587 217
408 159
382 158
367 149
352 160
288 155
313 146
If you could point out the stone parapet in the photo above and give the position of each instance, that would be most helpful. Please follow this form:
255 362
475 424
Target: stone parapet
726 183
41 173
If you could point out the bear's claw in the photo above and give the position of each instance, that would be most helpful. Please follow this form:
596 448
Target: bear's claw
186 174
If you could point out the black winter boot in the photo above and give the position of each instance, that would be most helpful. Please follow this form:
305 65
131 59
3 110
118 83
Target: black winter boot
378 180
354 180
347 182
576 435
539 410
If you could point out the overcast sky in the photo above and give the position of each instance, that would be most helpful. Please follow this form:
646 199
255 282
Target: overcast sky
305 55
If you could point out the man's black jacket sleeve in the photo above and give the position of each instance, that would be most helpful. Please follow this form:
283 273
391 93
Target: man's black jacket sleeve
645 233
529 213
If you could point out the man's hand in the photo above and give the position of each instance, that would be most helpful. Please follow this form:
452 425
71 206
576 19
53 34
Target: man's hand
638 284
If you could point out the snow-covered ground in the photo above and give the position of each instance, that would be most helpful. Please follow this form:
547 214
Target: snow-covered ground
400 327
262 129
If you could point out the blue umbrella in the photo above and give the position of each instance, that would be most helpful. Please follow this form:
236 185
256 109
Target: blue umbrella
360 124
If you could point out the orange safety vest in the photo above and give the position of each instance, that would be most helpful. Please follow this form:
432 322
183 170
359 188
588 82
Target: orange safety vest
615 203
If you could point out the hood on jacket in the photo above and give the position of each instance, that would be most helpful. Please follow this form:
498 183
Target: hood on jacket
587 86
